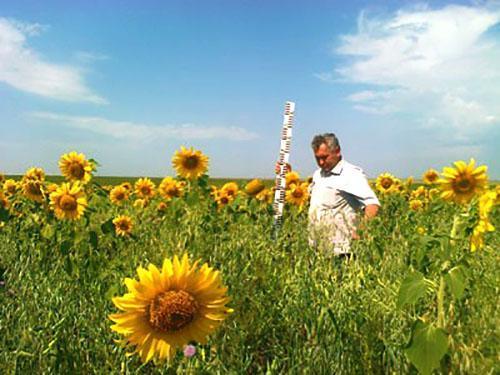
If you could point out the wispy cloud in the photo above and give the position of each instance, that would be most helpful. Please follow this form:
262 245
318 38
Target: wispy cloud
25 69
442 65
143 132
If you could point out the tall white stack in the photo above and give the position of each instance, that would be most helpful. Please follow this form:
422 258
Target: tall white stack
280 186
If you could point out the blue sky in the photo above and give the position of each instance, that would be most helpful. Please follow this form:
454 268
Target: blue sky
405 86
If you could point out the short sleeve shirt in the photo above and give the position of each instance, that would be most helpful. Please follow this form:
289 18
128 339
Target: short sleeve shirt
336 198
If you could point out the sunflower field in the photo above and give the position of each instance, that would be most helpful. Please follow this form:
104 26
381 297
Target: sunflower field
188 277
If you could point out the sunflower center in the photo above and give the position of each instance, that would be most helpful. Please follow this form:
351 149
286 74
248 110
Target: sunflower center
120 196
191 162
297 193
34 188
76 170
172 310
67 203
464 185
386 183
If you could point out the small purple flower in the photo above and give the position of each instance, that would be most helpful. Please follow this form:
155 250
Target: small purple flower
189 351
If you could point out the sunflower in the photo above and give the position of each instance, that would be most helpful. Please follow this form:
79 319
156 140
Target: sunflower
126 185
68 201
145 188
171 188
421 230
386 183
190 163
292 178
477 237
4 202
416 204
10 187
169 308
430 177
486 203
409 182
231 188
75 167
33 189
118 195
34 174
265 195
223 198
161 207
254 187
298 194
123 225
140 203
462 183
419 193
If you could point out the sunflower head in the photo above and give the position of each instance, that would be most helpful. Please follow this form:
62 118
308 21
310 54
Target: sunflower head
75 167
386 183
416 204
298 194
161 207
118 195
171 188
190 163
145 188
170 307
10 187
223 198
231 188
68 201
254 187
4 202
265 196
430 177
35 173
123 225
292 178
33 189
463 181
126 185
140 203
477 236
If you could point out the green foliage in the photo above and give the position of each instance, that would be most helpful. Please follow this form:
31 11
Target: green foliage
297 309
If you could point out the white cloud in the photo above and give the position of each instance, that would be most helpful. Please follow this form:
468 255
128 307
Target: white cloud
24 69
144 133
439 64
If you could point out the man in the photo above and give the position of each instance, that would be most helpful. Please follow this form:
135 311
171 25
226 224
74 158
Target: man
339 192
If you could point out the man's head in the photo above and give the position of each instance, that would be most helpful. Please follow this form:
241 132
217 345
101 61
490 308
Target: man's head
326 149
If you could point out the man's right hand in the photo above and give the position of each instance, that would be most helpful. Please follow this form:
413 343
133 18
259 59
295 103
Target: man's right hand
288 167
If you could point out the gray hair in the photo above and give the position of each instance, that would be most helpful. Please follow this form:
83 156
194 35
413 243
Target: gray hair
329 139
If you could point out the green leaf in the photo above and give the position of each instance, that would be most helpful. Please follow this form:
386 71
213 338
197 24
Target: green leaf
4 214
65 246
412 289
93 239
108 226
455 280
427 346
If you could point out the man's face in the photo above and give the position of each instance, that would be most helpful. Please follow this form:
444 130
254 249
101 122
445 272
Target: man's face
326 158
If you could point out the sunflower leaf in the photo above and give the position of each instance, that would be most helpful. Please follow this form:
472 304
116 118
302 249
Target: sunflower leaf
412 289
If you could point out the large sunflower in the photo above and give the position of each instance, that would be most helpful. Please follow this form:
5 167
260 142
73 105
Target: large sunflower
123 225
190 163
171 188
118 195
145 188
430 176
169 308
75 167
68 201
386 183
462 183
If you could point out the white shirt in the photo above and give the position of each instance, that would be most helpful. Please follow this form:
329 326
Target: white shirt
336 198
